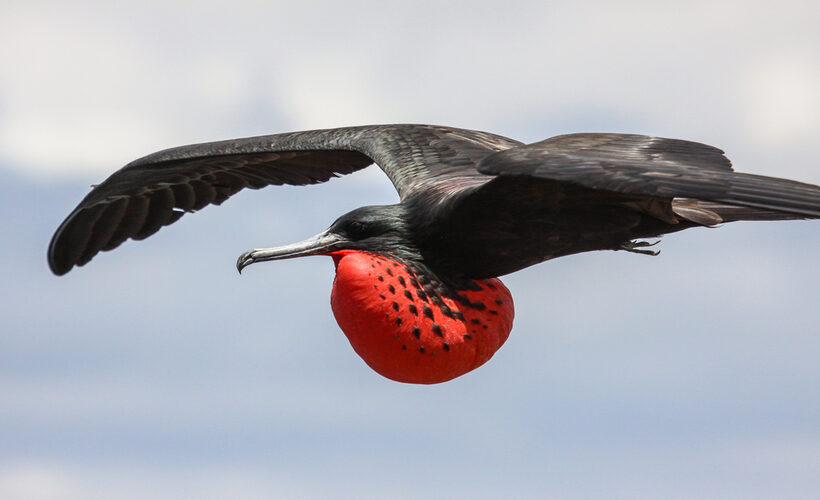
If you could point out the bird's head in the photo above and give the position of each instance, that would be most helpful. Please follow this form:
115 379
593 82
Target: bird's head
380 229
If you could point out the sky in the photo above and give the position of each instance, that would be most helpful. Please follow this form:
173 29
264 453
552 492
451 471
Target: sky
157 371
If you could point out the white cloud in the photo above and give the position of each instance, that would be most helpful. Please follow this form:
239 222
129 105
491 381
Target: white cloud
782 98
718 466
93 86
328 92
28 481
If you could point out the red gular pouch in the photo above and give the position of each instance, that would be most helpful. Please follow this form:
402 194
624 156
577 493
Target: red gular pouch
408 336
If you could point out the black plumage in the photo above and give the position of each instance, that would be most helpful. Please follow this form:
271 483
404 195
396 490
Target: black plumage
473 204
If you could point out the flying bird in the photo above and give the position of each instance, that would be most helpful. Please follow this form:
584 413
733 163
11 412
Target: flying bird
416 288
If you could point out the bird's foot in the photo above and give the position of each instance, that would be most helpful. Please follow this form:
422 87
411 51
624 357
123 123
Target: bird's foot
636 246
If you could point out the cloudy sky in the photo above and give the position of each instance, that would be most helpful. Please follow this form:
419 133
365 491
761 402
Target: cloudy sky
158 372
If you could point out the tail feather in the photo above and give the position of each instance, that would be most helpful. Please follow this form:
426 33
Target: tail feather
770 194
710 213
752 197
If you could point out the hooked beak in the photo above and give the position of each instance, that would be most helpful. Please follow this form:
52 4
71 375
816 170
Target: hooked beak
320 244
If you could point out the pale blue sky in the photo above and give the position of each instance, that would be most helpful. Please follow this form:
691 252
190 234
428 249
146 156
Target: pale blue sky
158 372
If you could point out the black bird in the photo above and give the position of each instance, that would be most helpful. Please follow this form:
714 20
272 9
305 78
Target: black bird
415 290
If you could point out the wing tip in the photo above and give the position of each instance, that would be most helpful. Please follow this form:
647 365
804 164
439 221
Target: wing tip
54 262
59 261
59 271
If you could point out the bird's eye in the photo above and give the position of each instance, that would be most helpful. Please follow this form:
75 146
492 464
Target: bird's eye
357 229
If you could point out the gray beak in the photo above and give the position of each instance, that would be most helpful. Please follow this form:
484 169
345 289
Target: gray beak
322 243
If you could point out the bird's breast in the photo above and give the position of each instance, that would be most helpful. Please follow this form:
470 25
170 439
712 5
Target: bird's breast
408 332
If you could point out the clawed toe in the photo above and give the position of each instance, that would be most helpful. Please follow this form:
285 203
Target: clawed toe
636 246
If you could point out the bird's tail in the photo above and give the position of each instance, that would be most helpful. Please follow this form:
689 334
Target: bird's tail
709 213
753 197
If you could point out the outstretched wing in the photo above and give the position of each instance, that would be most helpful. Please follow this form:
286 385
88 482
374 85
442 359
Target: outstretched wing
652 166
158 189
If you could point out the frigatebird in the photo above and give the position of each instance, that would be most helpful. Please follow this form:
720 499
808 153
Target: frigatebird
416 289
